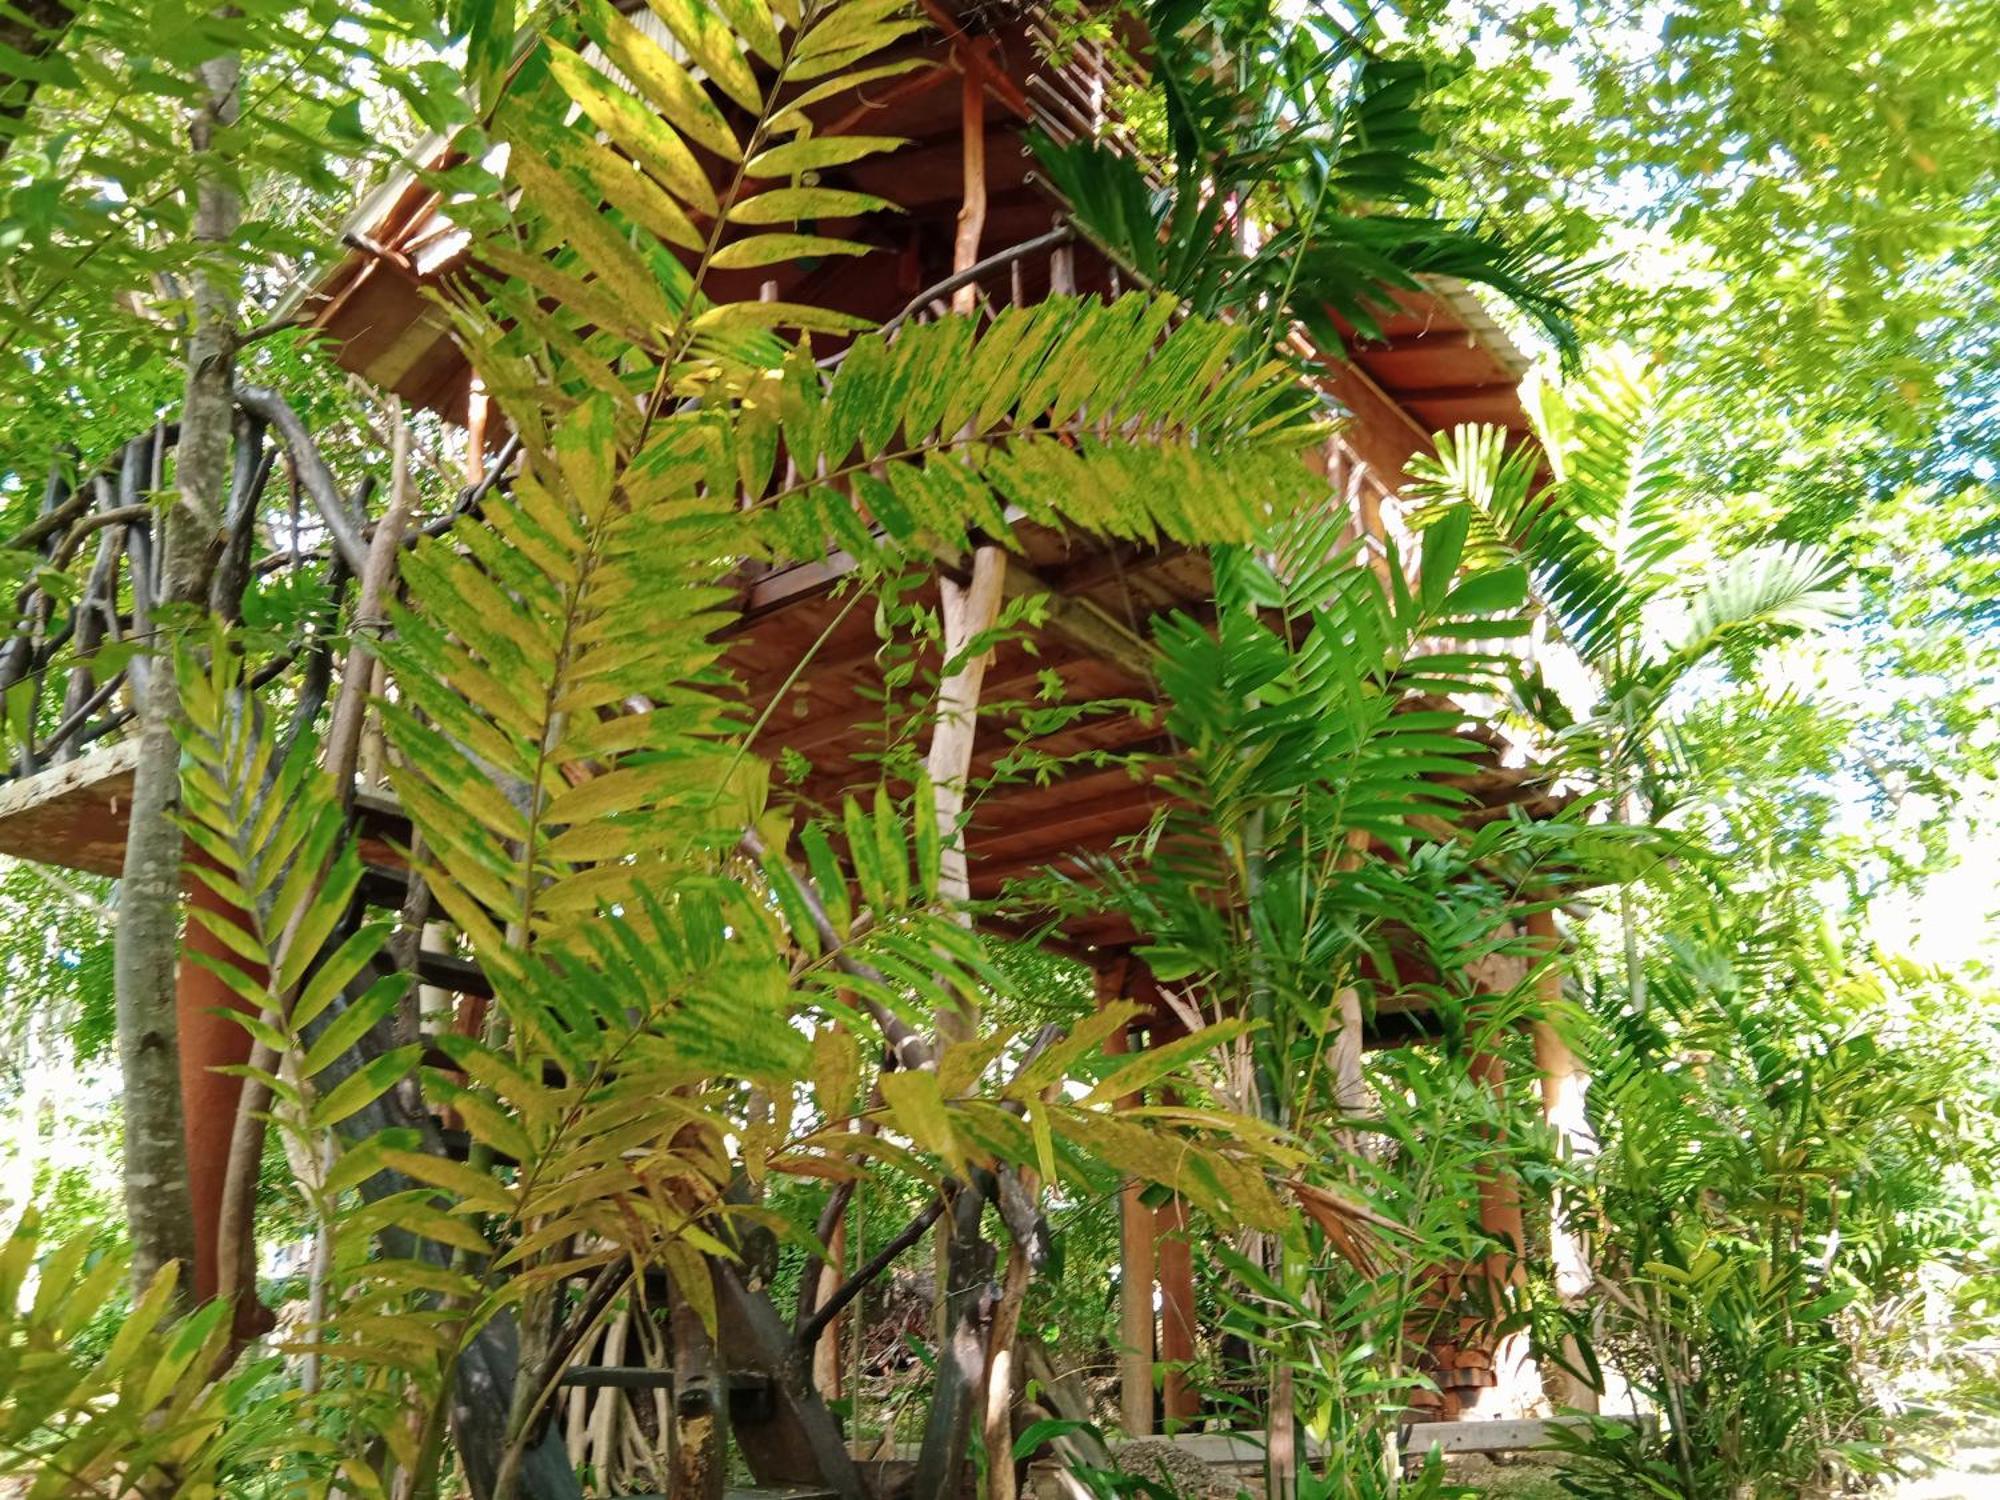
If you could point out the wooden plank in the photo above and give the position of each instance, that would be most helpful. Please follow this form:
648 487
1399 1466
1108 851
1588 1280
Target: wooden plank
74 814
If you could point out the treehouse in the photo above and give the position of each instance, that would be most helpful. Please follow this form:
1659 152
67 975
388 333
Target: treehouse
980 229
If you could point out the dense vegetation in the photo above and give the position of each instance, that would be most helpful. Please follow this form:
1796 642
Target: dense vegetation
1735 601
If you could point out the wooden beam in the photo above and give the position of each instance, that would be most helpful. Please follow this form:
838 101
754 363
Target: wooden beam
1179 1401
1563 1084
1406 343
1495 1437
1450 395
73 814
1085 625
1135 1256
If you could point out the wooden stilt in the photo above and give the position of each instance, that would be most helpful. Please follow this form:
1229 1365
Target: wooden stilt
476 409
210 1041
1179 1401
826 1353
1350 1092
1563 1087
1135 1259
1515 1387
969 610
964 1259
972 209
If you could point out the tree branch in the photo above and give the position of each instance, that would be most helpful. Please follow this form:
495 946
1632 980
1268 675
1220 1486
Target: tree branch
875 1265
341 525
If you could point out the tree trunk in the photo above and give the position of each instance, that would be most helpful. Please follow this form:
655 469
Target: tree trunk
29 29
156 1180
961 1360
701 1408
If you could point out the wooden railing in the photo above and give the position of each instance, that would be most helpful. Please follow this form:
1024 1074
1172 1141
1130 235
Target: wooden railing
77 644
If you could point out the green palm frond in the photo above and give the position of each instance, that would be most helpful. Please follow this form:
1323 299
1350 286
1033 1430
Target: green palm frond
556 716
1615 457
1338 166
1755 592
596 274
1489 474
1093 415
1294 739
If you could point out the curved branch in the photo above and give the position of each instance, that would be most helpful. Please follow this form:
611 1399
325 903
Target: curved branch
272 408
1062 234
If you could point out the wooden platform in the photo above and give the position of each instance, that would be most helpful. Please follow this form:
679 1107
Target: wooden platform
72 815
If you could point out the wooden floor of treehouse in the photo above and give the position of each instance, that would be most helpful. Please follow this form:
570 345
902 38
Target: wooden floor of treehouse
72 814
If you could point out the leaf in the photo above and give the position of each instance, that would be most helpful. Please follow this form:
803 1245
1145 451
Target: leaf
918 1110
816 153
770 249
778 315
710 43
352 1024
364 1086
664 82
465 1183
633 127
789 205
1493 592
1163 1061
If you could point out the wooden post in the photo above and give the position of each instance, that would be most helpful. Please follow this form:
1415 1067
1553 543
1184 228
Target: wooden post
477 405
826 1353
972 208
1563 1088
1515 1387
964 1259
1179 1402
1350 1092
1500 1216
1135 1257
210 1041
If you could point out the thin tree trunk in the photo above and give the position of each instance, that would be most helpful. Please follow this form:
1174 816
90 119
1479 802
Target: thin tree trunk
999 1429
30 30
156 1181
701 1407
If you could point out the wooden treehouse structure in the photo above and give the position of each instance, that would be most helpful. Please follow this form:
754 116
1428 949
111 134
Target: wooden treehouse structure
979 230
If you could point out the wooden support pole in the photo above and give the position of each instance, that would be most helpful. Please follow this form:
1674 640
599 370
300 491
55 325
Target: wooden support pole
477 406
1563 1088
826 1352
1135 1257
969 611
211 1041
972 208
1350 1091
1515 1386
1178 1400
964 1259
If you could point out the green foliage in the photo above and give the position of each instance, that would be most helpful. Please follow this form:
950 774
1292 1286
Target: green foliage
1609 542
1303 180
1783 1185
98 180
140 1416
